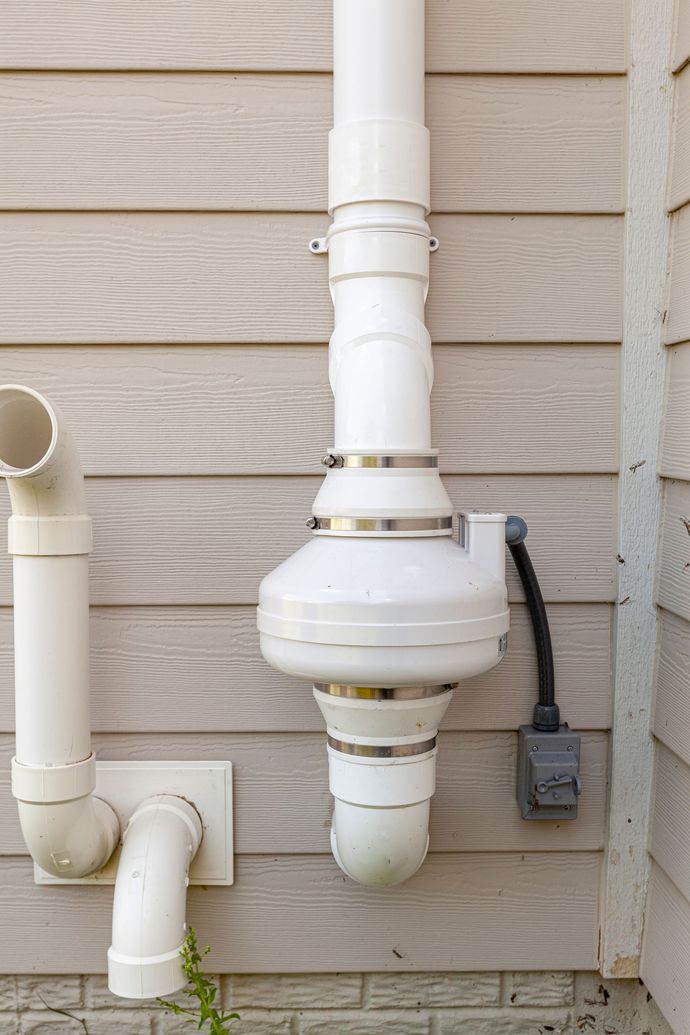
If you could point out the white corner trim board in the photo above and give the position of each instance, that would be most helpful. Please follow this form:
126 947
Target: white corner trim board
627 865
382 611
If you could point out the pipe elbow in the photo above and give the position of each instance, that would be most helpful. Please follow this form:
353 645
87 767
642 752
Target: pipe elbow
69 838
380 847
39 460
149 909
69 832
380 826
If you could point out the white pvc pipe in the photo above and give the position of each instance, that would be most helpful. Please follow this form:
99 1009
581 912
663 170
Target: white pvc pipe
68 832
381 370
381 374
382 599
159 844
378 60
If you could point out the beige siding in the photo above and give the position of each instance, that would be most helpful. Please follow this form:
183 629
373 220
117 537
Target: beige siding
681 46
666 956
674 561
679 187
677 316
670 832
180 668
159 277
672 703
461 912
260 142
675 454
185 541
162 172
285 776
472 36
501 408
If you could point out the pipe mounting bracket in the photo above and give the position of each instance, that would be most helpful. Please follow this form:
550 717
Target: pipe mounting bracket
205 785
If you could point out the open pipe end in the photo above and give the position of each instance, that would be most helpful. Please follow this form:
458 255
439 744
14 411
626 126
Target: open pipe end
28 431
149 908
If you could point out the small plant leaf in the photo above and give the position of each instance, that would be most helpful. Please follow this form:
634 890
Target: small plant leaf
202 990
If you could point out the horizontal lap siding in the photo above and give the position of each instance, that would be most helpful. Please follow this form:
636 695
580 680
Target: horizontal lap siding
210 540
460 912
285 777
672 702
674 562
184 337
670 830
681 44
677 316
675 447
163 277
138 141
224 410
475 35
679 186
197 668
666 952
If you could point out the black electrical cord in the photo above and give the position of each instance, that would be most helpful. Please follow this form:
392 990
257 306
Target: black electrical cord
546 715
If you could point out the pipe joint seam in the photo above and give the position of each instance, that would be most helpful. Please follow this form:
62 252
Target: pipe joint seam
371 326
44 785
49 536
179 807
378 160
379 252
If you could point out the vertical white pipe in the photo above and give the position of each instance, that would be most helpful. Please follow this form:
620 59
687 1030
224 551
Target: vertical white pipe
51 636
68 832
378 60
381 370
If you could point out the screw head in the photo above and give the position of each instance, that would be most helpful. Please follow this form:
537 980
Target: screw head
312 522
571 747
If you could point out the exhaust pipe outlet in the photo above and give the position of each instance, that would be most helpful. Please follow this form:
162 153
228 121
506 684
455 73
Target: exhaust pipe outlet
149 908
68 832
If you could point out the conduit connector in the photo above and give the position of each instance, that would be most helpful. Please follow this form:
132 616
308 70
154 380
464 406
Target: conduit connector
149 909
68 832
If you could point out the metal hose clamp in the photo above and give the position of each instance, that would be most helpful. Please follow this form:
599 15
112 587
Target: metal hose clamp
388 693
360 524
380 460
382 750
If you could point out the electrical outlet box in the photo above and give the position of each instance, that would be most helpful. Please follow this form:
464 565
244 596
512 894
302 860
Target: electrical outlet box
548 779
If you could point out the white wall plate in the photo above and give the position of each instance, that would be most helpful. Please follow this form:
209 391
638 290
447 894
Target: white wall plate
207 785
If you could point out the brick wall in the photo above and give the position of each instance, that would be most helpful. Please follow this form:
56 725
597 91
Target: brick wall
352 1004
